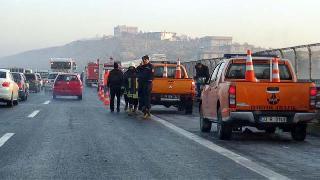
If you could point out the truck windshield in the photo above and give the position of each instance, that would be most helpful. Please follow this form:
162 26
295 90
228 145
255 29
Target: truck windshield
158 72
60 65
3 75
30 77
262 71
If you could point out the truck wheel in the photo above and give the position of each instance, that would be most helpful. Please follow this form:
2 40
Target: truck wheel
54 96
80 97
299 132
224 129
189 107
16 102
205 124
270 130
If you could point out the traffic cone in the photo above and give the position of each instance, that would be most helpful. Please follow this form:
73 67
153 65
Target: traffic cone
106 100
250 76
99 92
102 95
275 70
178 70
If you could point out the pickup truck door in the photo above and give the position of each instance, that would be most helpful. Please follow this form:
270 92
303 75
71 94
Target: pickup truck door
213 93
206 92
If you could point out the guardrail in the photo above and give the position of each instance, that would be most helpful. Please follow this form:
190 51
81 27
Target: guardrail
304 58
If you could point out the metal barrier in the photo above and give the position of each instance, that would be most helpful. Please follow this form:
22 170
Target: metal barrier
305 60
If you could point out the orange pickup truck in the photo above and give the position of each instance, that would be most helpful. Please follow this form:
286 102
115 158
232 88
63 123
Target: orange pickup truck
232 102
169 91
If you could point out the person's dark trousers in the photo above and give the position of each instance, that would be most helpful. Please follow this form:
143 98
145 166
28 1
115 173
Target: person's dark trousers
146 96
198 89
115 91
126 100
140 95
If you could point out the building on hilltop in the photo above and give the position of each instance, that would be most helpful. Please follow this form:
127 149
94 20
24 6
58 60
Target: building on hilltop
214 46
170 36
121 30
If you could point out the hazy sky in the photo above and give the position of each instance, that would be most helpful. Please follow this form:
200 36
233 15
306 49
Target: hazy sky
30 24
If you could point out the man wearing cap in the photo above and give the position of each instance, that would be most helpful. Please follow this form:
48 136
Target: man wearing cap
115 81
145 72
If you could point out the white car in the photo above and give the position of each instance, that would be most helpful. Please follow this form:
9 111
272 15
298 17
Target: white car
49 85
9 90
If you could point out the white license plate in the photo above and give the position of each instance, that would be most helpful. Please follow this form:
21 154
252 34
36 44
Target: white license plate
273 119
169 99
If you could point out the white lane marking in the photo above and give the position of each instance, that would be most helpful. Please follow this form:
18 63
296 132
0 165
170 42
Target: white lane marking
33 114
5 138
46 102
263 171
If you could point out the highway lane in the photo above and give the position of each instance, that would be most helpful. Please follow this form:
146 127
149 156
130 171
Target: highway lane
296 160
71 139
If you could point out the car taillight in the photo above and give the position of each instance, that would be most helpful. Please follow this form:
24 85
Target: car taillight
313 97
232 96
5 84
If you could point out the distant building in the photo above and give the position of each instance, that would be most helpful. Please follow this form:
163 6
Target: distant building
170 36
123 30
214 46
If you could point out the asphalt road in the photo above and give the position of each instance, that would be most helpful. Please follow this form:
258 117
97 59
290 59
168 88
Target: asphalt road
72 139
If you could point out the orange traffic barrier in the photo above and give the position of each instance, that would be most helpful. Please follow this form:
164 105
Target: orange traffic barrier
275 70
178 70
250 76
102 95
106 100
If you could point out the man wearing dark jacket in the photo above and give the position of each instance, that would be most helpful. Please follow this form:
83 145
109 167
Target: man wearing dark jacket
115 81
202 76
145 75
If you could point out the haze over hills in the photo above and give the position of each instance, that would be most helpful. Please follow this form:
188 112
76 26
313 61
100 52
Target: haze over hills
120 48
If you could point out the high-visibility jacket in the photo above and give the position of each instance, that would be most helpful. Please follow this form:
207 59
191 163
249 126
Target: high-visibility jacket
105 77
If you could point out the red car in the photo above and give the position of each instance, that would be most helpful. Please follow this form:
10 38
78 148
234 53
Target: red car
67 84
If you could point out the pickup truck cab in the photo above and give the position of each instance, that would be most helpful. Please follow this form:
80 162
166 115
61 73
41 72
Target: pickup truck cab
168 90
232 102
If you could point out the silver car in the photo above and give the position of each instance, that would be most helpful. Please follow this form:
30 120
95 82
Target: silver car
48 86
9 90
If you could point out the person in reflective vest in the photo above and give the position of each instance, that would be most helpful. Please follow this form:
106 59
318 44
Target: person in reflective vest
131 86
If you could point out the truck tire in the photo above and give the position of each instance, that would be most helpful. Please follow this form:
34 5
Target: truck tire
189 107
16 102
224 129
270 130
205 124
299 132
80 97
54 96
10 102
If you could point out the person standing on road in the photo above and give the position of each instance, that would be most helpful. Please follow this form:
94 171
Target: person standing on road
131 85
140 102
145 80
202 76
114 83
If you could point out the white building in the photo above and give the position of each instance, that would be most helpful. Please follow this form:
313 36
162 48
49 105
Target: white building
170 36
123 29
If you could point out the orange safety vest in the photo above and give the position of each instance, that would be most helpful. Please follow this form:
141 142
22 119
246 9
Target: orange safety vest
105 77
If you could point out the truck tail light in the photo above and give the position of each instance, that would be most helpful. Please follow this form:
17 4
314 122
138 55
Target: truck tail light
5 84
232 97
193 85
313 97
